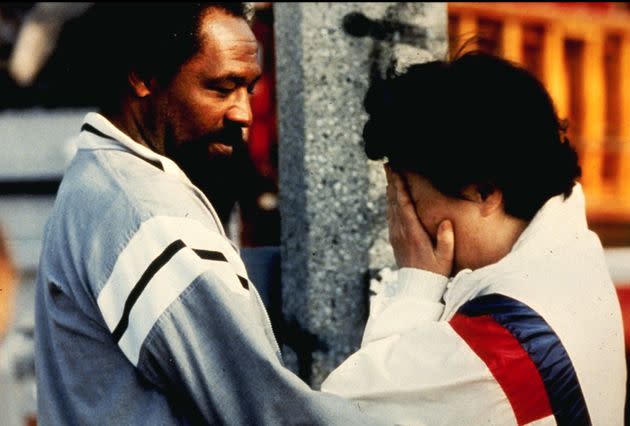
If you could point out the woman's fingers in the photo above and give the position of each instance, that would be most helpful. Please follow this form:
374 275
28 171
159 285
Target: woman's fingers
445 247
410 240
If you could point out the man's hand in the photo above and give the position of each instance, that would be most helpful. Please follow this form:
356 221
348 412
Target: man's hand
412 244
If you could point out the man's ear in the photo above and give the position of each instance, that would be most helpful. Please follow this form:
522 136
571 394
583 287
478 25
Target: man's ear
141 86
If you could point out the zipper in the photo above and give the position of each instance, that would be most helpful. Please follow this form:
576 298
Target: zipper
261 305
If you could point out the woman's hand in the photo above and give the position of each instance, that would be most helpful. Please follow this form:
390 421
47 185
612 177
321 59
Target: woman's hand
412 244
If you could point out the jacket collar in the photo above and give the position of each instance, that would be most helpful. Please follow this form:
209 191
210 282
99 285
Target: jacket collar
111 137
102 134
559 222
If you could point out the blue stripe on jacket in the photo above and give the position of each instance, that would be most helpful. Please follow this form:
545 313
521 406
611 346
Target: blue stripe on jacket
545 350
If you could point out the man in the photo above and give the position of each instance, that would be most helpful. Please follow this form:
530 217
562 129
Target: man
145 313
481 188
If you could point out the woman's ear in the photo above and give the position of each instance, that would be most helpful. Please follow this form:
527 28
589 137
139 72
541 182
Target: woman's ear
487 196
492 203
140 86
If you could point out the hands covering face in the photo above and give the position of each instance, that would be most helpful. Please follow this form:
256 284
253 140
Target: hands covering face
411 242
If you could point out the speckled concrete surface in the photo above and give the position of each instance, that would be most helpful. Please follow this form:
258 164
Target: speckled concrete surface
331 196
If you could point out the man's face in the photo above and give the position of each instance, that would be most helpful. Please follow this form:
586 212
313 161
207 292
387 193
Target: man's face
432 207
202 113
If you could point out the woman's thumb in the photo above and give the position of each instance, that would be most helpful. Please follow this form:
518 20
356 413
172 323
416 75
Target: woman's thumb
445 248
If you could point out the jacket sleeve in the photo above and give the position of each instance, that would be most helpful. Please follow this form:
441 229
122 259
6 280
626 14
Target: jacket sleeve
180 306
413 368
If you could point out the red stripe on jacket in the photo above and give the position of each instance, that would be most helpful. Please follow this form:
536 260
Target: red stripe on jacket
508 362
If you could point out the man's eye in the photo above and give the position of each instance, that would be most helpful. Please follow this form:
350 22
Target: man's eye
222 90
251 89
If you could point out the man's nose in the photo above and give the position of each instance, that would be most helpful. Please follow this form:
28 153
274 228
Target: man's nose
240 112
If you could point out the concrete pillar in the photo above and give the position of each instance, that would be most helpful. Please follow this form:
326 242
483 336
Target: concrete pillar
331 198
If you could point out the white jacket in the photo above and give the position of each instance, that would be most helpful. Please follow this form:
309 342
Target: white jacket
534 338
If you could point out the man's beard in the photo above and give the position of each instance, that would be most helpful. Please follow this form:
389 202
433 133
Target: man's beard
214 172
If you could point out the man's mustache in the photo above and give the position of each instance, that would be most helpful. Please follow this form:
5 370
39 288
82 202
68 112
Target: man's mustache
196 150
230 136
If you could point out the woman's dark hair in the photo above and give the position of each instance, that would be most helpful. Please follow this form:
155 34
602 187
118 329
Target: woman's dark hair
154 39
476 120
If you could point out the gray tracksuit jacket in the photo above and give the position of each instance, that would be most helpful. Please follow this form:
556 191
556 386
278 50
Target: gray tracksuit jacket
145 313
